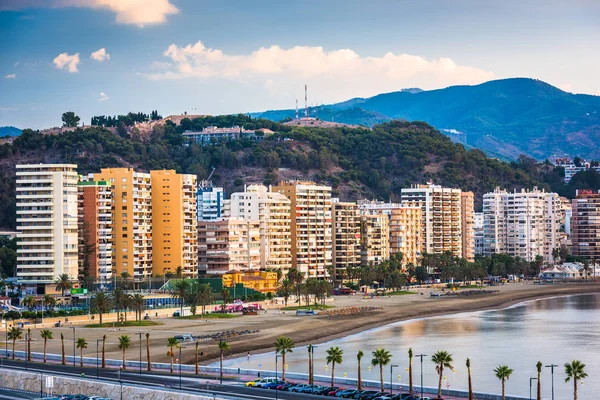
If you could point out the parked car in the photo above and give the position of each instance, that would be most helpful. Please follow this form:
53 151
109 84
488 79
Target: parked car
310 389
274 384
297 388
325 390
285 386
253 383
266 381
334 392
366 395
347 394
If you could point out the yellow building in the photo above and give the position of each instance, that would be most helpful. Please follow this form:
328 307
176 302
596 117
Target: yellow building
468 225
345 236
405 233
310 226
374 238
261 281
174 230
132 220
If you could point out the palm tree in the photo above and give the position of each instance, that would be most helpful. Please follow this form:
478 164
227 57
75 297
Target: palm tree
470 382
137 303
171 343
148 352
381 357
63 283
576 371
49 302
45 334
29 302
124 344
225 295
359 357
81 344
334 356
223 347
103 353
196 363
14 334
121 301
503 373
442 359
181 293
62 342
285 290
538 366
410 359
205 296
283 345
102 303
179 272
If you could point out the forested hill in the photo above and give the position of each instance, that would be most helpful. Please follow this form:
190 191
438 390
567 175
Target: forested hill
358 163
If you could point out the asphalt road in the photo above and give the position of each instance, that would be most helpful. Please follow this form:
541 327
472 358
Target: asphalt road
157 380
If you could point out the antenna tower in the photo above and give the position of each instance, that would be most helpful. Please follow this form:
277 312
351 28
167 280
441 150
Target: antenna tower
296 108
306 101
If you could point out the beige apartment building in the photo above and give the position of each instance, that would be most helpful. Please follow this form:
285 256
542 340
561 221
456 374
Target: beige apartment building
441 217
228 244
346 246
405 233
47 237
132 220
467 211
585 225
374 238
174 230
310 226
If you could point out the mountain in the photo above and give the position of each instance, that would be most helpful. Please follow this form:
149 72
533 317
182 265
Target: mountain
505 118
9 131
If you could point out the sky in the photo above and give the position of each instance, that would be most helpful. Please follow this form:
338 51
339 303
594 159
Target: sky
109 57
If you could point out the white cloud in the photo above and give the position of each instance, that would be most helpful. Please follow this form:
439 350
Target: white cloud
64 60
336 74
138 12
103 97
100 55
10 76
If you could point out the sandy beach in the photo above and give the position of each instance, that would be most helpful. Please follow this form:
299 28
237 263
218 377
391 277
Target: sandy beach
303 330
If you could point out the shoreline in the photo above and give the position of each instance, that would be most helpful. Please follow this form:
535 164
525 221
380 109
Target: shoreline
422 308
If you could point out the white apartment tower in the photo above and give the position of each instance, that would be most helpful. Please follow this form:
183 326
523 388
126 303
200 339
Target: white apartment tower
272 211
47 237
345 236
521 223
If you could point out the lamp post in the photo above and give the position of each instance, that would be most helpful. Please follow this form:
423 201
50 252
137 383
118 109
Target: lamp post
530 380
421 357
73 346
121 382
391 377
551 366
180 347
140 335
276 391
97 369
26 349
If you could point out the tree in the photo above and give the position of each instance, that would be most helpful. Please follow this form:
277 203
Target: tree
63 283
442 359
181 293
311 349
359 357
81 345
121 300
538 367
148 352
223 347
468 364
410 370
196 360
503 373
124 344
575 370
45 334
49 302
29 302
285 290
283 345
103 351
102 303
138 304
62 343
381 358
171 344
14 334
334 356
225 296
70 120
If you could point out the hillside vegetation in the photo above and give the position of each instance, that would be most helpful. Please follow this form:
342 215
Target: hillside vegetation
357 163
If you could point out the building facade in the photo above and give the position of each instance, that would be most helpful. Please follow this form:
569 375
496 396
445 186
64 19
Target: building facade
521 223
405 233
478 233
467 214
209 201
346 245
310 226
374 238
47 236
585 225
95 224
174 229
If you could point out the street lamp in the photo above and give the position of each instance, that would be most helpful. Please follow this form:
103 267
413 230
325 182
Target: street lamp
551 366
391 377
180 347
121 382
530 380
73 346
421 357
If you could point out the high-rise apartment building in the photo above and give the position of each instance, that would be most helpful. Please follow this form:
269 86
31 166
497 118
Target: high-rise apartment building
209 201
467 214
478 233
94 206
228 244
585 225
405 233
46 223
374 238
310 226
174 230
132 220
521 223
441 216
272 211
345 236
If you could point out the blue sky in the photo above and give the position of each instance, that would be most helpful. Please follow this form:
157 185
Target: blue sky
213 57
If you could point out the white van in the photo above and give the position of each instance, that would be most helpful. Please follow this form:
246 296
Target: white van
186 337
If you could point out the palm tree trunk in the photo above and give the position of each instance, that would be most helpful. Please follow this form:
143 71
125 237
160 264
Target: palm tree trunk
332 372
410 382
539 387
381 375
283 367
28 344
45 343
103 353
574 389
470 385
503 387
124 364
13 352
100 315
171 359
148 353
359 378
196 364
441 370
310 372
62 339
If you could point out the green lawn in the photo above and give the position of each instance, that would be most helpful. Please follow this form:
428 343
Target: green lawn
123 324
312 307
401 293
208 316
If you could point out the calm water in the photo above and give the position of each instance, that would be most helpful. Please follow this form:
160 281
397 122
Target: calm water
553 331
